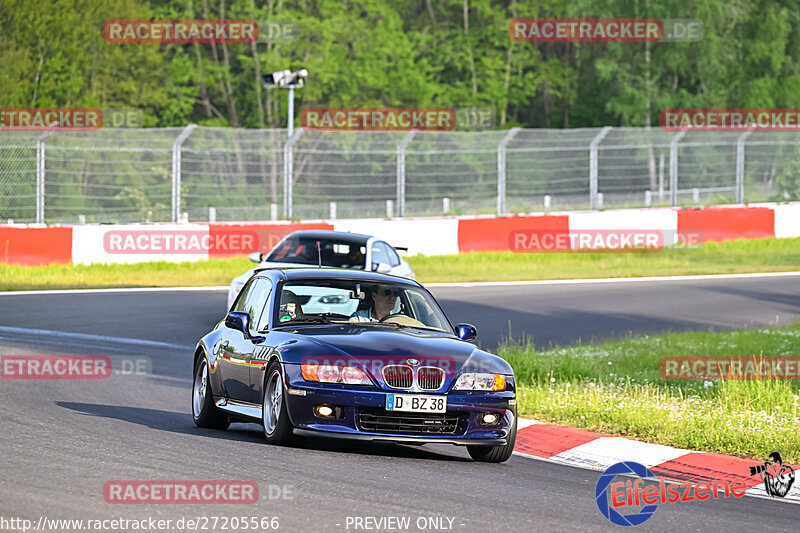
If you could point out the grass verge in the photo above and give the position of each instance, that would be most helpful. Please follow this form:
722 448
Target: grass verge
616 388
729 257
758 255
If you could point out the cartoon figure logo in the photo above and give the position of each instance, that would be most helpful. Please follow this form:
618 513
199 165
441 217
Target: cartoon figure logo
778 477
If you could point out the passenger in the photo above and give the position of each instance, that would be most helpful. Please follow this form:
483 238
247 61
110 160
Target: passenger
355 259
290 307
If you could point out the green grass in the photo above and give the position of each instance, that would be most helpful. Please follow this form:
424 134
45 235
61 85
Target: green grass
758 255
616 388
150 274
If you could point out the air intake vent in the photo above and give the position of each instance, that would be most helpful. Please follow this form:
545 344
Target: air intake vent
378 420
430 378
398 376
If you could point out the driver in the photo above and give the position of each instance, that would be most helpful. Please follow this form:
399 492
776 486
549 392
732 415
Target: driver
383 301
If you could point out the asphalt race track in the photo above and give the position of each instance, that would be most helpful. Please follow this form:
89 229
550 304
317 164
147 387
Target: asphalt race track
62 440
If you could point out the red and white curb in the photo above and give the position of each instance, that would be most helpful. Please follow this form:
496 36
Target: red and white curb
594 451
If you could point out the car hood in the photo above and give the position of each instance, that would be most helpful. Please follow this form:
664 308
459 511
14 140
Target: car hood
372 347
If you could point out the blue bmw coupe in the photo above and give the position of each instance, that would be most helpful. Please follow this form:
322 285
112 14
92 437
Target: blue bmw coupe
357 355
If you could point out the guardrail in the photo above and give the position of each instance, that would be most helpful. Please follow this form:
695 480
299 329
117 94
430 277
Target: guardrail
126 243
225 174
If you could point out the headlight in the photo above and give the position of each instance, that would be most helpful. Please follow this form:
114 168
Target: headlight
480 381
349 375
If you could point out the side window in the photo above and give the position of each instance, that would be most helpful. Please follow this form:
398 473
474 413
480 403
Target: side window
256 303
244 294
423 312
394 259
379 254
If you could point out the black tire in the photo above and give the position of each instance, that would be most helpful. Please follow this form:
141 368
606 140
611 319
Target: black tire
204 412
495 454
274 415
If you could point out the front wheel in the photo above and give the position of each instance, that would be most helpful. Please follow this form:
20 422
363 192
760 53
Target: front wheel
204 412
495 454
277 427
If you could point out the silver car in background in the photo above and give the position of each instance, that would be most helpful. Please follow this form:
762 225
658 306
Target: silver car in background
328 249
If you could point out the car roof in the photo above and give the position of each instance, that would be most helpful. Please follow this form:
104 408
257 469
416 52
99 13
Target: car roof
330 234
305 272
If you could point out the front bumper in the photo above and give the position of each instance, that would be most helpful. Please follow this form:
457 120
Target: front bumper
302 396
412 439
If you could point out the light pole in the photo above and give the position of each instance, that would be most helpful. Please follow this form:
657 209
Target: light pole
286 79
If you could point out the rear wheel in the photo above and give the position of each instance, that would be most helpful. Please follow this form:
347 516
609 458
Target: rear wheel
204 412
277 427
496 454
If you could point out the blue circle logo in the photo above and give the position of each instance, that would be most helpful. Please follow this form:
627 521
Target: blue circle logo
604 500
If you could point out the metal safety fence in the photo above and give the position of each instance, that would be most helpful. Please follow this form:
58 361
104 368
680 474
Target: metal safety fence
225 174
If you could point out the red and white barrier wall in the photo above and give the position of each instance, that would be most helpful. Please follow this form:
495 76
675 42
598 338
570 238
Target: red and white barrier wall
32 245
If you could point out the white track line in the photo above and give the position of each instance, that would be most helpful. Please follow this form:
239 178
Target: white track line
125 289
466 284
699 277
96 338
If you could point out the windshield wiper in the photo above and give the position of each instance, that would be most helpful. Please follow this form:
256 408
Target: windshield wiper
305 321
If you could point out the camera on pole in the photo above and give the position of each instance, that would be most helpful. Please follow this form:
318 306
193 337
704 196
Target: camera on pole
285 79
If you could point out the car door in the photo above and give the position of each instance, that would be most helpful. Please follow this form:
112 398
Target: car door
237 349
247 346
260 352
253 349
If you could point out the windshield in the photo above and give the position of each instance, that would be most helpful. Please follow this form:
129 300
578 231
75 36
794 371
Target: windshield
351 301
339 253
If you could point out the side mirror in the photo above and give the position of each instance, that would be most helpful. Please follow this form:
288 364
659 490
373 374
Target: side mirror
238 321
256 257
383 268
467 332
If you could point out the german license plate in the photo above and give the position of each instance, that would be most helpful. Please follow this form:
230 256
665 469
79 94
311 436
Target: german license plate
416 403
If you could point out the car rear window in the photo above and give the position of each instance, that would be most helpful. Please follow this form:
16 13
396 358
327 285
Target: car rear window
339 253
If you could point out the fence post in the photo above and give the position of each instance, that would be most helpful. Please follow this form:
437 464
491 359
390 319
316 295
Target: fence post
673 168
501 170
40 174
593 205
176 171
288 172
401 173
740 165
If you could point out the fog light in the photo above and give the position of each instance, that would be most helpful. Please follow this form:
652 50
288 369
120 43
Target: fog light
490 418
324 411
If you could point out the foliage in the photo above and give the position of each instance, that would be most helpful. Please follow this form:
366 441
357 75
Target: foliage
401 53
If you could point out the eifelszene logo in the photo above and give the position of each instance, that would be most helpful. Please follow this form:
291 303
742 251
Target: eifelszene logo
606 503
612 496
778 477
